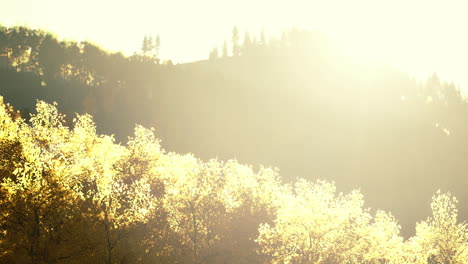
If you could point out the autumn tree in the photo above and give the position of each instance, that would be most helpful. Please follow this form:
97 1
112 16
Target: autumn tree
70 195
440 239
40 193
316 225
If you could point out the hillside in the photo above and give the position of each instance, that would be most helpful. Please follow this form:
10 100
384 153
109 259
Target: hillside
297 103
70 195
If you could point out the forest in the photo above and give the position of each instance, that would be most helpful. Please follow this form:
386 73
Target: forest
70 195
338 130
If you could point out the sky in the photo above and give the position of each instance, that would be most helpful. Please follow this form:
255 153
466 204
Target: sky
418 36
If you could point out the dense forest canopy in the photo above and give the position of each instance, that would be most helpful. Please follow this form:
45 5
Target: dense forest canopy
70 195
297 102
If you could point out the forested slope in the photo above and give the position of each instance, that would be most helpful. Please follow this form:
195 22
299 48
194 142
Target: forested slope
70 195
297 102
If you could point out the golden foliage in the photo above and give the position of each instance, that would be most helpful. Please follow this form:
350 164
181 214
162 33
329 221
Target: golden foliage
69 195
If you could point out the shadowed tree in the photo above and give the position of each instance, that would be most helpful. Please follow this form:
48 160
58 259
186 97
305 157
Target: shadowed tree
263 40
248 45
146 46
225 50
236 50
213 54
157 48
51 57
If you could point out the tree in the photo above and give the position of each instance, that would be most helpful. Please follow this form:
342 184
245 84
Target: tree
65 197
225 50
74 61
4 41
314 225
146 46
248 45
235 42
263 41
157 47
193 205
51 57
213 54
94 63
41 193
441 239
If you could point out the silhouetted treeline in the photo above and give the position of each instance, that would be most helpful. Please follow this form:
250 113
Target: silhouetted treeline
296 101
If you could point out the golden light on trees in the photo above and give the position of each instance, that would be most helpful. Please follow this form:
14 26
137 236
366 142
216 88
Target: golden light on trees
72 195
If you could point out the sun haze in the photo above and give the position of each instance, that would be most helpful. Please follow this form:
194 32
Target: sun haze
419 37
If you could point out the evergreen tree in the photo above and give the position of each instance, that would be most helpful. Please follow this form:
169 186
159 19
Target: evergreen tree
150 46
262 38
157 46
247 46
146 46
214 54
235 42
225 50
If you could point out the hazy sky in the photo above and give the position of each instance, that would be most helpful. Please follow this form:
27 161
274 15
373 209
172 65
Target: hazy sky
420 36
